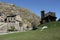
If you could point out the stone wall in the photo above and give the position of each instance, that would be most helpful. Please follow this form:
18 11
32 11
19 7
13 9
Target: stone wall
5 26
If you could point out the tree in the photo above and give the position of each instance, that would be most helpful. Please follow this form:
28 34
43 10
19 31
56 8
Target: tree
34 26
59 19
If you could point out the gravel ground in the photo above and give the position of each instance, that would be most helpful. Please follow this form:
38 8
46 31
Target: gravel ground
8 33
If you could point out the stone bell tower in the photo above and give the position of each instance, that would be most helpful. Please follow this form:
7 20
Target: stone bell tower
42 14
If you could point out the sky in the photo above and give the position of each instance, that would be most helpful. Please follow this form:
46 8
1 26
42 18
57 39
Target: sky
36 6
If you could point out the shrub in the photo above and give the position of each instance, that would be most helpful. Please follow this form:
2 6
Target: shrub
12 28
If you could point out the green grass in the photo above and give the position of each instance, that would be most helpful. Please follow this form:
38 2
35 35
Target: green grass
52 33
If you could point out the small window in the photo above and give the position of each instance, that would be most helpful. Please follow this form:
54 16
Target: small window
14 18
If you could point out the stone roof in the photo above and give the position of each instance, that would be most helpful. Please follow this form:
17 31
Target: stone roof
11 15
51 14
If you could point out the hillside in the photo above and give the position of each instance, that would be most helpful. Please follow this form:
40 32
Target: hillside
27 16
52 33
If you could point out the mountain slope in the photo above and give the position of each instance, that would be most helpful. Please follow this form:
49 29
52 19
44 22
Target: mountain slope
27 16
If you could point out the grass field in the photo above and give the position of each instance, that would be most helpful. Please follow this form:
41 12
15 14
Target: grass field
52 33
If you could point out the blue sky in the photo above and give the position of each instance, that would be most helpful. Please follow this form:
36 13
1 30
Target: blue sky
37 5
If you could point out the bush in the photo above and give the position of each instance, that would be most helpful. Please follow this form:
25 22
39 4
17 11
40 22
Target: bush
12 28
